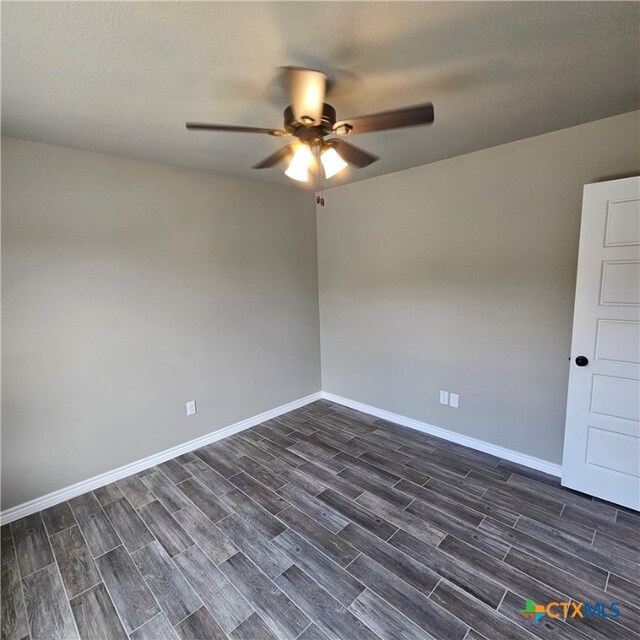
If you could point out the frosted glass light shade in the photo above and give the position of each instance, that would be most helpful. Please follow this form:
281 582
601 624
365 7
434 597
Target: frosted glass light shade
299 165
332 163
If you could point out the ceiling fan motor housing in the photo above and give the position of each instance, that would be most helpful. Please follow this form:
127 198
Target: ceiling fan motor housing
310 134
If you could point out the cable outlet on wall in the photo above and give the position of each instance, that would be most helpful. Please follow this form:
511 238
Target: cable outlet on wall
444 397
191 408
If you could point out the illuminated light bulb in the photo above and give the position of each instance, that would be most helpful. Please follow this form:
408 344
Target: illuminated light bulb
332 162
299 166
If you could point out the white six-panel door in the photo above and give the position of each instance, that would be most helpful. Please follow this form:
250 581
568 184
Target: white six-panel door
602 432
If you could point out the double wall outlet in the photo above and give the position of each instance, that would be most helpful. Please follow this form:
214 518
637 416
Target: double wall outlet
191 408
450 398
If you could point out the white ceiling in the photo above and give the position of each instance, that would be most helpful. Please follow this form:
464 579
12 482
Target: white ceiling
123 77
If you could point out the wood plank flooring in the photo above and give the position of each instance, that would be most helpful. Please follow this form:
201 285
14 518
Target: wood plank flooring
322 523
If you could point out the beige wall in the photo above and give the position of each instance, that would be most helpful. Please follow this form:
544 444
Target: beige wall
460 275
130 288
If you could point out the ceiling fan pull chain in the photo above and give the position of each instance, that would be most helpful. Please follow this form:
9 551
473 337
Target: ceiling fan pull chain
318 177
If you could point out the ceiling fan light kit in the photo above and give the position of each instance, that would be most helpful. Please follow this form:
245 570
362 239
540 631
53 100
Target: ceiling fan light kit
310 119
300 164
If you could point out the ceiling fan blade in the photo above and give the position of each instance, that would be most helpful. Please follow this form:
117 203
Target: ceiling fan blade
352 155
306 89
204 126
409 117
274 158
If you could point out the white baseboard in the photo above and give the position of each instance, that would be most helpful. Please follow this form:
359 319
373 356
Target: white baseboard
56 497
480 445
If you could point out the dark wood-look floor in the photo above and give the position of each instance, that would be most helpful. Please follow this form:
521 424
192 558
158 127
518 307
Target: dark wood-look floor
323 523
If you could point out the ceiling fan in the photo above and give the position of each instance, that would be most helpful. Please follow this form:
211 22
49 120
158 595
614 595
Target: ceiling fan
309 119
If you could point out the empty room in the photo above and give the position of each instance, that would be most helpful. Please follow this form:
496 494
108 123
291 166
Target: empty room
320 320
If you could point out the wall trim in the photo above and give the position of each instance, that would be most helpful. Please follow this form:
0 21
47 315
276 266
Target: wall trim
56 497
480 445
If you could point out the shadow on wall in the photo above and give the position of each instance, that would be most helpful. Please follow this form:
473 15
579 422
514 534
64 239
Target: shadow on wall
618 176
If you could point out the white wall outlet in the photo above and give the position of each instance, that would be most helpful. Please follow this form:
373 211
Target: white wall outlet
191 408
454 400
444 397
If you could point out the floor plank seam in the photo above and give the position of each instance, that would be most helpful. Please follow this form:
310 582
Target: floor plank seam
33 573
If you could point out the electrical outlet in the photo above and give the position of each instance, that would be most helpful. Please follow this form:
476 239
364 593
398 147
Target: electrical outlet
454 400
191 408
444 397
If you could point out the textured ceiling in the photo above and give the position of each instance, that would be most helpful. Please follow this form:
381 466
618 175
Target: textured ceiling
123 77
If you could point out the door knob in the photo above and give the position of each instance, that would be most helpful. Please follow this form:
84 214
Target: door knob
582 361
